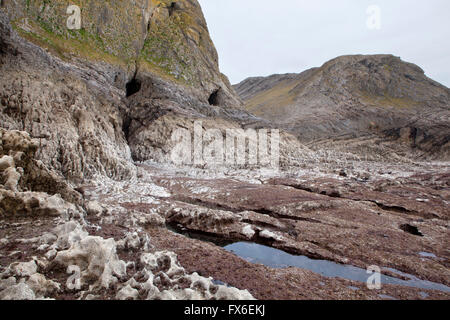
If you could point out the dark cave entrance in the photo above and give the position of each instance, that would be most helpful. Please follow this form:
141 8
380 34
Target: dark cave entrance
133 87
214 98
411 229
173 6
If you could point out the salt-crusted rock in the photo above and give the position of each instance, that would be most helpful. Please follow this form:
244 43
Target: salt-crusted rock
24 269
197 217
248 231
41 286
185 294
33 204
164 260
19 291
230 293
94 208
56 206
47 238
6 283
18 141
266 234
127 293
97 260
50 254
149 219
168 270
6 162
11 177
68 234
134 241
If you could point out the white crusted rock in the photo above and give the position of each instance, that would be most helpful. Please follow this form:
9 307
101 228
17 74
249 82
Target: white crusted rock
127 293
24 269
9 282
96 258
94 208
168 269
12 177
50 254
56 206
6 162
131 241
41 286
248 231
164 260
185 294
150 219
68 234
266 234
33 203
19 291
134 241
229 293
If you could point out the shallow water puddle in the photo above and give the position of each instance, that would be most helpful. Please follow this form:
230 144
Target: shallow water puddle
275 258
427 255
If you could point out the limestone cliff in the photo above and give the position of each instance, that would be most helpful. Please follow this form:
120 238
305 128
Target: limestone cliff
169 38
113 90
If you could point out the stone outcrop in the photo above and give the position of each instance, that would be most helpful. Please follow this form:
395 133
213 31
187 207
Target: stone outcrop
354 102
116 89
27 187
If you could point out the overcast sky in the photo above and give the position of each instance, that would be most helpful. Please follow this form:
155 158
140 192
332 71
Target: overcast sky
262 37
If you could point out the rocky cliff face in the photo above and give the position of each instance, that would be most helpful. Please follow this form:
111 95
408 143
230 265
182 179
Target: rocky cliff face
115 89
76 107
169 38
366 98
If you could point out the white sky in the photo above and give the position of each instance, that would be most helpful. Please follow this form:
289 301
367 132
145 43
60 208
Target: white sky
262 37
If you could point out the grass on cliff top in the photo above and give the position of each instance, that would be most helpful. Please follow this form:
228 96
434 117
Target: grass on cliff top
167 51
65 49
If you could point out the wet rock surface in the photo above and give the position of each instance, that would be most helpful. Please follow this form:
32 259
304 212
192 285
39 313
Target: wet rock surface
182 217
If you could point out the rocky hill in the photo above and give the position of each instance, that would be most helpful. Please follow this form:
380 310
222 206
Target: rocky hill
355 101
91 206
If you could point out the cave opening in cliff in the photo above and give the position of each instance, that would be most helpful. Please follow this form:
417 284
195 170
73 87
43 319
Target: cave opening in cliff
411 229
214 98
133 87
173 6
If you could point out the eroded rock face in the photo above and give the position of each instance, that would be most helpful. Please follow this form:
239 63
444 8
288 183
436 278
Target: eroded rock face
96 117
71 110
354 102
27 187
96 267
69 260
